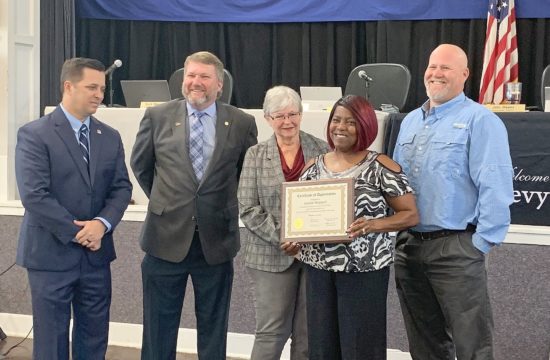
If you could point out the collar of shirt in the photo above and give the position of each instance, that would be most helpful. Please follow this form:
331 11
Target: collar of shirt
210 111
443 109
75 123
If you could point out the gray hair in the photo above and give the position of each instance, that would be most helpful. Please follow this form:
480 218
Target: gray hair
207 58
280 97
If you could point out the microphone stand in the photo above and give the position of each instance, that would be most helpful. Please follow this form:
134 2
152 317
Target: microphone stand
111 90
367 86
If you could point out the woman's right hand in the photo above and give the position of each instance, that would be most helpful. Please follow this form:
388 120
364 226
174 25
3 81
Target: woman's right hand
290 248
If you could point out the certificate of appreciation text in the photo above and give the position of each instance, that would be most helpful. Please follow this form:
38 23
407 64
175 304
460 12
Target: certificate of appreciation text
317 211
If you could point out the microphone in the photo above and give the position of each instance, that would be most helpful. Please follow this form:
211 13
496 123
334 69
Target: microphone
109 72
113 67
363 75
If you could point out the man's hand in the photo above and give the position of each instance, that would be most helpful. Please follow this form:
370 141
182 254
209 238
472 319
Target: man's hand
91 233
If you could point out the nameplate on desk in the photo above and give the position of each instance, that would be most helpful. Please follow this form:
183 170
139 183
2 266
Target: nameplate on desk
317 106
146 104
506 107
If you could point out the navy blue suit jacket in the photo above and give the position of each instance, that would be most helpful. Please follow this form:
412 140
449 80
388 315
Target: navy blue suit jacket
55 189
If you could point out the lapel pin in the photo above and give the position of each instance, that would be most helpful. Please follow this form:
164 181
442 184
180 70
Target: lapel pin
99 131
177 124
227 123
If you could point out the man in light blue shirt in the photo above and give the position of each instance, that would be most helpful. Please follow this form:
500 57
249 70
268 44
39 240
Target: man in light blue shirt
455 153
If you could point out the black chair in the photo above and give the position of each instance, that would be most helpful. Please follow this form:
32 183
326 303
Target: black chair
176 79
388 84
545 81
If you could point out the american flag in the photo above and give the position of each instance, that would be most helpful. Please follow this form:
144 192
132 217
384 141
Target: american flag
500 60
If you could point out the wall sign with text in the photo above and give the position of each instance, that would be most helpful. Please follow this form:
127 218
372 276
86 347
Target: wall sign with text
530 149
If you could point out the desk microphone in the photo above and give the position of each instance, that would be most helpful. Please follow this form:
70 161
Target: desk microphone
113 67
363 75
109 72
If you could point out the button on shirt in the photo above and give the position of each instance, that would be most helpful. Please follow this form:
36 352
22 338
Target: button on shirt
457 159
209 126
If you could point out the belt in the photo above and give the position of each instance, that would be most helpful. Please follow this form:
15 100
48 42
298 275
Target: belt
430 235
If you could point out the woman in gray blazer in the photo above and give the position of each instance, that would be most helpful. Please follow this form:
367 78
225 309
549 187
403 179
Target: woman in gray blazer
278 279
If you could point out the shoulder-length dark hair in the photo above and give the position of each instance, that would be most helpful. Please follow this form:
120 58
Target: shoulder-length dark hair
365 117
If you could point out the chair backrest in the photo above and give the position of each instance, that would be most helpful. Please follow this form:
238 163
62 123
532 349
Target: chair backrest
176 79
545 81
390 84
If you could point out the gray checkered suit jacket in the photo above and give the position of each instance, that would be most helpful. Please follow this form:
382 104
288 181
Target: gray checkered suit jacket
260 204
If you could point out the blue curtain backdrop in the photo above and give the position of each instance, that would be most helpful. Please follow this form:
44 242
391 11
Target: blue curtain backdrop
280 11
261 55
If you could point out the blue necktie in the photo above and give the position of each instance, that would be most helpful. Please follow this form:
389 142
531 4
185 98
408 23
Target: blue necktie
196 143
83 142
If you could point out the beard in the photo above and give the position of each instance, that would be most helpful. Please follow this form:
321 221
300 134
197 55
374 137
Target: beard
197 100
194 98
438 96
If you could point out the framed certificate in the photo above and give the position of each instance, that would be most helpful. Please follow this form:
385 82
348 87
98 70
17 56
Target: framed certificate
317 211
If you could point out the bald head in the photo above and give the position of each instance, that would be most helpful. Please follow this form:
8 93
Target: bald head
452 52
446 74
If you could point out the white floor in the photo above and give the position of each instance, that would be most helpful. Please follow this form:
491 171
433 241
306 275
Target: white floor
129 335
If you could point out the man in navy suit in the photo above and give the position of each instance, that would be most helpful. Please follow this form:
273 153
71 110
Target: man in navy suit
74 186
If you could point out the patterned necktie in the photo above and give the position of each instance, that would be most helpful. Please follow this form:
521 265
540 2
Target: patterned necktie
196 142
83 142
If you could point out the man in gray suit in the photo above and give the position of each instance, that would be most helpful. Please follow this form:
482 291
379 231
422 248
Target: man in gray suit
187 158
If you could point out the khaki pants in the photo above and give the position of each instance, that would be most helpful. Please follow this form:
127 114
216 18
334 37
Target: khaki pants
280 303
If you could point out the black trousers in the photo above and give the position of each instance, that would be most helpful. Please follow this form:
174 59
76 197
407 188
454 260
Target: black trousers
346 314
163 293
442 288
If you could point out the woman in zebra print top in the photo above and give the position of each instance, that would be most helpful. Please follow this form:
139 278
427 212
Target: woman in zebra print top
348 282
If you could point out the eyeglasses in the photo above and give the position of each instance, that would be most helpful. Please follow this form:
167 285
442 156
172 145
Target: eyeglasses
289 116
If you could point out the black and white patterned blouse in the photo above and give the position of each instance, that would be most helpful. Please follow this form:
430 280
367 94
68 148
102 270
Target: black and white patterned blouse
369 252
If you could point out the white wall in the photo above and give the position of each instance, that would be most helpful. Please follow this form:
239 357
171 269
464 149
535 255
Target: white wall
19 80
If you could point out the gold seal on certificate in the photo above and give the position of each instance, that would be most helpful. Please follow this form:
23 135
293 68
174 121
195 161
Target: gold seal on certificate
316 211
